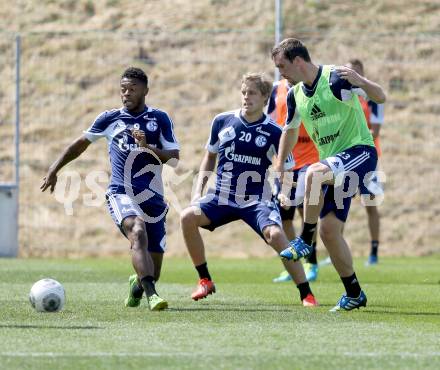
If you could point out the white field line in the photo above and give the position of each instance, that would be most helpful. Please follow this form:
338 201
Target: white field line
381 354
192 354
94 354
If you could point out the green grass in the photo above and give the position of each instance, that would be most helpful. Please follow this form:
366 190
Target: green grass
249 323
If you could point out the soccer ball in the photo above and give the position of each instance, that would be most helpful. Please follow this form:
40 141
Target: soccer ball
47 295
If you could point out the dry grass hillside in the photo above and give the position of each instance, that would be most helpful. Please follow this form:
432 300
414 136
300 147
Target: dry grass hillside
195 52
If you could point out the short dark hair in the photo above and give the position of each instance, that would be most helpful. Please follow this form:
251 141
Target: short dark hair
137 73
358 63
291 48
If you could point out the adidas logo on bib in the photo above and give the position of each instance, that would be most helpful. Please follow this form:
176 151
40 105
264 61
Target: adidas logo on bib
316 113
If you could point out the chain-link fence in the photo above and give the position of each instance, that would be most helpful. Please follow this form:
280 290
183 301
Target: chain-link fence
7 108
67 78
74 76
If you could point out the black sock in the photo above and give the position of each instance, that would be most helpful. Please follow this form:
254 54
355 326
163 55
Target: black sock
148 285
374 247
351 285
203 271
311 258
137 290
304 290
307 233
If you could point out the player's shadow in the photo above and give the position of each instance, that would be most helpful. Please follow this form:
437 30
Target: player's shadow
400 313
239 307
33 326
224 309
229 307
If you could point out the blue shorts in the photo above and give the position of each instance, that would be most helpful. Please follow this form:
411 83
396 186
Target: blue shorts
296 195
122 206
257 216
353 170
375 187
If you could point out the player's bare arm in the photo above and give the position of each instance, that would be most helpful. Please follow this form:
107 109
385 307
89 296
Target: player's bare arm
72 152
163 154
206 167
375 130
287 142
372 89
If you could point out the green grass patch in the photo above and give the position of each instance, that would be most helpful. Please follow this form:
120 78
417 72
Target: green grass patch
249 323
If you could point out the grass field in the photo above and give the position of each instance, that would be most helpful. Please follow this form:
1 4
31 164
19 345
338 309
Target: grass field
249 323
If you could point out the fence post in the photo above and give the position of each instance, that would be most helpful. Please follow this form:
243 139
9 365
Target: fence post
17 108
278 29
9 191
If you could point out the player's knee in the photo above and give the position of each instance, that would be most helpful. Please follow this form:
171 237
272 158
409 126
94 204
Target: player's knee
188 218
314 169
327 231
272 233
311 173
138 233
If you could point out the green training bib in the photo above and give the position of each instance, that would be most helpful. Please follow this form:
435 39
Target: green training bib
332 124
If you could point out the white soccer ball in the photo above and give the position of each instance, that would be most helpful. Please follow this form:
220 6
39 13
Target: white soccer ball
47 295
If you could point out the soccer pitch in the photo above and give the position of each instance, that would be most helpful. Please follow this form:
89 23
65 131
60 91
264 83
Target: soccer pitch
249 323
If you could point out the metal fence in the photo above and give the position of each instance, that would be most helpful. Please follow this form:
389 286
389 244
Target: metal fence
72 76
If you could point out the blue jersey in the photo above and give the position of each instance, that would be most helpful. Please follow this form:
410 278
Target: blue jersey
376 113
245 153
272 103
142 170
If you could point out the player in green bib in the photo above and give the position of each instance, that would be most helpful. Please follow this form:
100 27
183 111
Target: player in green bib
325 99
329 121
